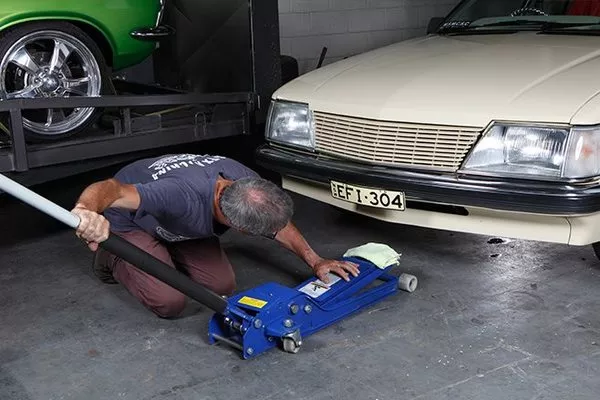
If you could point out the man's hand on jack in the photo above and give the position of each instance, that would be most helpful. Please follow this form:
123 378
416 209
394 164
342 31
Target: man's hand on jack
93 228
341 268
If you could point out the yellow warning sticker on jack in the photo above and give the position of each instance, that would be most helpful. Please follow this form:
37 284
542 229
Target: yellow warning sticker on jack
249 301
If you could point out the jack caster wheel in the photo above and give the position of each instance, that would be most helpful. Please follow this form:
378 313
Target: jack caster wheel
289 345
407 282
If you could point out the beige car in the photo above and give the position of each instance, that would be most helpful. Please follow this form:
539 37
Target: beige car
489 125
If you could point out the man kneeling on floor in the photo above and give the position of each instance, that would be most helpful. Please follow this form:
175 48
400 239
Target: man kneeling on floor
175 208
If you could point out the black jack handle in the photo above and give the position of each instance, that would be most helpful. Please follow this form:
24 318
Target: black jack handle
121 248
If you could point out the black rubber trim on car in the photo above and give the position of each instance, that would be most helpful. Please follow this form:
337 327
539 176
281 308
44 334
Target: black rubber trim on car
500 194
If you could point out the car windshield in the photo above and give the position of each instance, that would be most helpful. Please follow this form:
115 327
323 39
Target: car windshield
545 16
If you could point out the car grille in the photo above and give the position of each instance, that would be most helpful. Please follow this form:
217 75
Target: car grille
393 143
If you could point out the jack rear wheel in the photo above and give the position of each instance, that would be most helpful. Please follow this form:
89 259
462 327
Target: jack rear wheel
290 346
407 282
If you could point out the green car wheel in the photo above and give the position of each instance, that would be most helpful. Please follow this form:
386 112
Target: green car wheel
52 59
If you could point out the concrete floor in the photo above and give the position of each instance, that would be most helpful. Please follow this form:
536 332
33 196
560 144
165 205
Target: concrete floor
515 320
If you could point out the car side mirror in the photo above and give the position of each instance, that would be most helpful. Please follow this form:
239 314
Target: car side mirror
434 24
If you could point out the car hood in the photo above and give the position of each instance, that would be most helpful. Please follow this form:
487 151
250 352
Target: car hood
461 80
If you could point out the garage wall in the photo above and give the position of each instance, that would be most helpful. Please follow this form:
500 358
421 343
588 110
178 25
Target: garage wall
348 27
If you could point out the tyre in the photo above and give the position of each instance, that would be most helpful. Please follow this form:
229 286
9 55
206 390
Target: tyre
596 248
52 59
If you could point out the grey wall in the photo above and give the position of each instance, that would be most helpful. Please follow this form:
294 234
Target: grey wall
348 27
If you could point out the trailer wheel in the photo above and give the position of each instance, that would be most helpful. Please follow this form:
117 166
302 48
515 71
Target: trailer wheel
407 282
50 59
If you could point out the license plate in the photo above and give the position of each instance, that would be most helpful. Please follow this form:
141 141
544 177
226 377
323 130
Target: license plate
370 197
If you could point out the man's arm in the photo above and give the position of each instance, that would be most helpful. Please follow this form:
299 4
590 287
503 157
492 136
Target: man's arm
291 238
93 227
109 193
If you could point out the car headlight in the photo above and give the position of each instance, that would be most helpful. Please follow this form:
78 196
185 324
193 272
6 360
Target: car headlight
583 154
291 124
520 151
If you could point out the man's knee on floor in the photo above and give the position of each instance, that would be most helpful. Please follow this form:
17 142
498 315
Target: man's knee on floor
168 303
223 286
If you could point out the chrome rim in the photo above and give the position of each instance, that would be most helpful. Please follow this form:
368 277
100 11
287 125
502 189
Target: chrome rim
50 64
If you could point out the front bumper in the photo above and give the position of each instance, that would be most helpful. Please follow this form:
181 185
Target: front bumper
537 197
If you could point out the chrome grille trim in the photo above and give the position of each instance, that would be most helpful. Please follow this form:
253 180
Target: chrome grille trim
393 143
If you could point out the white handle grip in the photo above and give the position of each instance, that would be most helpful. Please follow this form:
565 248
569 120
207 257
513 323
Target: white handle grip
35 200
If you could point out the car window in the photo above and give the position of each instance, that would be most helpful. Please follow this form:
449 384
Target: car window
477 9
546 15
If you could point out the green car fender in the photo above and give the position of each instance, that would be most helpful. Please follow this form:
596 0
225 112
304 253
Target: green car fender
111 20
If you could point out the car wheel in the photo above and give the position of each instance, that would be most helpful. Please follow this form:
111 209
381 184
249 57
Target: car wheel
51 59
596 247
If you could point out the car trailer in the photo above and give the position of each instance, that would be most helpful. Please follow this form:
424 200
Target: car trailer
141 122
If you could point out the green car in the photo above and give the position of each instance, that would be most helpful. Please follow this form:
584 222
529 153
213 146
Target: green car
70 48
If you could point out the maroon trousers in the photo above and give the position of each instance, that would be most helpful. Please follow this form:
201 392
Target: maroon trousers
203 260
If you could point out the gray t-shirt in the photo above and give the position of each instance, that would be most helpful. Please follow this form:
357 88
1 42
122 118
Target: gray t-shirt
176 194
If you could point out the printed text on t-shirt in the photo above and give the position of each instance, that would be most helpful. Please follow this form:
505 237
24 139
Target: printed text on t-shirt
167 164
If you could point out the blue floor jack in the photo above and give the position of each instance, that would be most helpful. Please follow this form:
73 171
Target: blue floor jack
261 318
274 315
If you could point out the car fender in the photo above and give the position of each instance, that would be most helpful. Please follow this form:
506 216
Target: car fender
9 21
589 112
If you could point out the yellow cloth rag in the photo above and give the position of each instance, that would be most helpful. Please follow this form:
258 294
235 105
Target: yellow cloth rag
379 254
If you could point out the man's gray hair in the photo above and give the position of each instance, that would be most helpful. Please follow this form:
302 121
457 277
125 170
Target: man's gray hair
256 206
